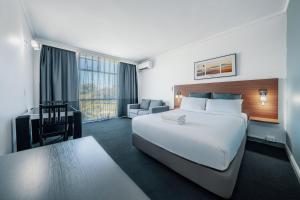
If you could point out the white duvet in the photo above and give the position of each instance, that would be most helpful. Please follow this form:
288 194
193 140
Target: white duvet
210 139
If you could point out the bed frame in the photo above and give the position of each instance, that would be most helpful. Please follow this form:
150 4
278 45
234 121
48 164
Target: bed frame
219 182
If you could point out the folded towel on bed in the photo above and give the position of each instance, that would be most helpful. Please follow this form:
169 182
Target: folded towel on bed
174 117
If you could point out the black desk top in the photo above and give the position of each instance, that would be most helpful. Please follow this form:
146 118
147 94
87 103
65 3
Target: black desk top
72 170
36 110
34 113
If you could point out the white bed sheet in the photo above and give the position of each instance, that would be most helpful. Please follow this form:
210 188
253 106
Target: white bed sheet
210 139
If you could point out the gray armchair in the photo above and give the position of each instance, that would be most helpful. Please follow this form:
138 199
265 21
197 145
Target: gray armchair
146 107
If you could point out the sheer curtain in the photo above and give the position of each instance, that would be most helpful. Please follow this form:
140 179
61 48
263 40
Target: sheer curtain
98 87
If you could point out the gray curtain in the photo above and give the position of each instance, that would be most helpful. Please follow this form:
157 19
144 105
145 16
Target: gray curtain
58 76
128 87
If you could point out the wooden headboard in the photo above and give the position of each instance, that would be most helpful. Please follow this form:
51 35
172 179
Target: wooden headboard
248 89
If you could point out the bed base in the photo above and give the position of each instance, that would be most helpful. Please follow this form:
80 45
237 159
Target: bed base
221 183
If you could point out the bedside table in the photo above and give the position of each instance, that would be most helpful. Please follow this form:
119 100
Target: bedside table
264 119
266 130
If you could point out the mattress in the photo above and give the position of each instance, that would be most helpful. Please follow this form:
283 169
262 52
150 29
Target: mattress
207 138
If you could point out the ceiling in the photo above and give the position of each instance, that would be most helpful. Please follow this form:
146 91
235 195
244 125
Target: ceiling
140 29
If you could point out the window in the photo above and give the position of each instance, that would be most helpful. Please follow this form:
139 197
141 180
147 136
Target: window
98 89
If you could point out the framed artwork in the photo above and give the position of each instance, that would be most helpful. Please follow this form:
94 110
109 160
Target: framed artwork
216 67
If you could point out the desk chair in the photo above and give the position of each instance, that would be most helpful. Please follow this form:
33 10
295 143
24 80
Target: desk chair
53 121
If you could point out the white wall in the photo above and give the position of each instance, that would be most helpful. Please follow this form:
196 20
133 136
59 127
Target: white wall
16 76
293 82
260 48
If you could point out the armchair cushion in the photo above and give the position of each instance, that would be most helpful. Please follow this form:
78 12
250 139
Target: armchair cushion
133 106
159 109
143 112
155 103
145 104
135 111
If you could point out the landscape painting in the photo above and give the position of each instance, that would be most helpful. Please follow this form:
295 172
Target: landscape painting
215 67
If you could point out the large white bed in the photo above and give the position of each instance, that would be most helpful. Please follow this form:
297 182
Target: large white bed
207 149
207 138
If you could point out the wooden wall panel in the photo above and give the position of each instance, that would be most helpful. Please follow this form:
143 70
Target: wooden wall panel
249 90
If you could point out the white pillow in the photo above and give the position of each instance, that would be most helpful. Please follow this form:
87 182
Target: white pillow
224 105
193 104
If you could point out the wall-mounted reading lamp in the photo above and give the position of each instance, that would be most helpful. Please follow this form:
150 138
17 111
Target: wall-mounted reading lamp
178 95
263 96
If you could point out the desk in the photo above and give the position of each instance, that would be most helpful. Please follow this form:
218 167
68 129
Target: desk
72 170
27 125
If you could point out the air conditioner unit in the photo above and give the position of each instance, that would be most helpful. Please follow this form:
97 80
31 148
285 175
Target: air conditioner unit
145 65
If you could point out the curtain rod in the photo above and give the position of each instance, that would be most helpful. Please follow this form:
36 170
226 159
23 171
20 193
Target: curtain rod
80 50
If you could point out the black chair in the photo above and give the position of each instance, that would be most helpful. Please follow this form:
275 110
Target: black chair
53 121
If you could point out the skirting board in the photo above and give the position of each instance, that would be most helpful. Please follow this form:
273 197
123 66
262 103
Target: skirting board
263 141
293 162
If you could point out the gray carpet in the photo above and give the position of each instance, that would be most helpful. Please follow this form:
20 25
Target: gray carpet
265 172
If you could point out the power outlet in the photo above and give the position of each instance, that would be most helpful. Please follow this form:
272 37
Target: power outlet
270 138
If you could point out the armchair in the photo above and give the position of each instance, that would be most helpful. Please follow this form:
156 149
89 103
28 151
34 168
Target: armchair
146 107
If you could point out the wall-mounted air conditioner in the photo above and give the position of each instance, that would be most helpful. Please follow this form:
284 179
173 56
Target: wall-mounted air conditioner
145 65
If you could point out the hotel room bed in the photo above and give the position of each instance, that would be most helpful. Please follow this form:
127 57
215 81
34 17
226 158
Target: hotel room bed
207 149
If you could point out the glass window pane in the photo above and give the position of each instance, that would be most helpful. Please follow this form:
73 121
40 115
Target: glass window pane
98 88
